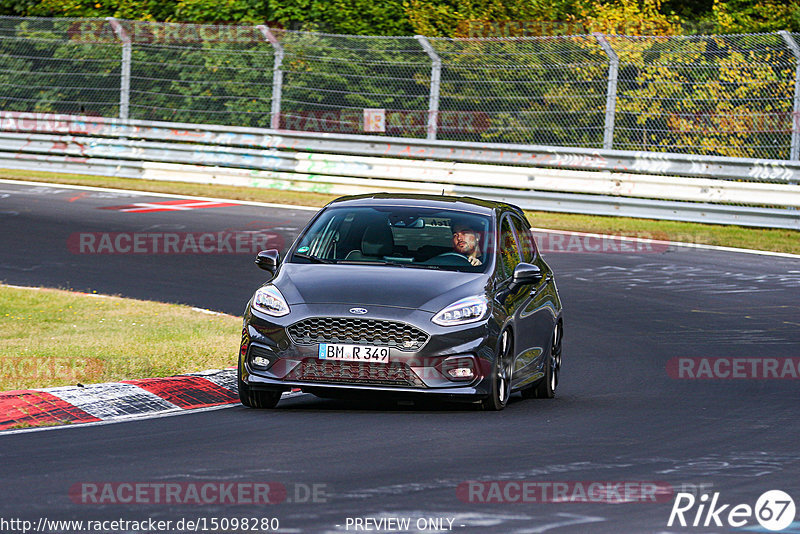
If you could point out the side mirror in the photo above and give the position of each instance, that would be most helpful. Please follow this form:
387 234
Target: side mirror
526 274
269 260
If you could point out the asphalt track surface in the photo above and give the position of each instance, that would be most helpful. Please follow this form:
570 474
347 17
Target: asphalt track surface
618 417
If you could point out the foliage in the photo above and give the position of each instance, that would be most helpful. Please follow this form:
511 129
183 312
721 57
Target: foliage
446 18
488 18
219 11
720 95
747 16
724 95
629 17
354 17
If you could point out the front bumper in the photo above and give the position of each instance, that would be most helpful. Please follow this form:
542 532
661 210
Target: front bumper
408 373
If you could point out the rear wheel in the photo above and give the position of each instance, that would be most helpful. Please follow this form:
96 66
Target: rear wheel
256 398
546 389
501 375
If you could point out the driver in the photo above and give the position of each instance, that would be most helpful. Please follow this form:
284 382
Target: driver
467 241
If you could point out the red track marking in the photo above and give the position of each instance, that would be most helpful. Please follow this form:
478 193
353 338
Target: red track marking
169 205
73 199
187 391
35 408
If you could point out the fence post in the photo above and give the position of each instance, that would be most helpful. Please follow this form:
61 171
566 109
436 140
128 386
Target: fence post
277 77
794 152
611 92
436 77
125 69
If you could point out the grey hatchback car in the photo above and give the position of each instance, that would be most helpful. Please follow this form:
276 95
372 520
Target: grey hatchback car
405 296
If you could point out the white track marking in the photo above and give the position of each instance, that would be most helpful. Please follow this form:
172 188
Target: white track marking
312 208
118 420
112 400
154 194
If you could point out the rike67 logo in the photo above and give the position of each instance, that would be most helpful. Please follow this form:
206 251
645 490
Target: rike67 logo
774 510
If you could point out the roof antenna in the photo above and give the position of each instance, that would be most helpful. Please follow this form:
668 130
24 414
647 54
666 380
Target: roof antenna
442 191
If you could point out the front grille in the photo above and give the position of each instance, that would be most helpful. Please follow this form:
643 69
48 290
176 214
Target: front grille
377 374
392 334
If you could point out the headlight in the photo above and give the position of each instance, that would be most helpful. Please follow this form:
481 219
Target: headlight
468 310
270 301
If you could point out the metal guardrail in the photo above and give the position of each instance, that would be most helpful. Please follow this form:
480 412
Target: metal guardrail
604 182
655 163
469 174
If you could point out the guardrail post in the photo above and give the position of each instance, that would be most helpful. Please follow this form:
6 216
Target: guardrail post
611 92
125 69
436 76
794 152
277 76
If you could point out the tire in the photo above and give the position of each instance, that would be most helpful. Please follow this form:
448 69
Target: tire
546 388
501 375
260 399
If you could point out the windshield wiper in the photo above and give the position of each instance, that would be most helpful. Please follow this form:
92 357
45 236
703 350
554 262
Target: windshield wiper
421 266
390 263
313 259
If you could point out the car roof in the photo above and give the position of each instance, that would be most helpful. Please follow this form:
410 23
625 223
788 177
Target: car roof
469 204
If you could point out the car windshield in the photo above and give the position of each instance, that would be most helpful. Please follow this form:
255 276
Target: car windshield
399 236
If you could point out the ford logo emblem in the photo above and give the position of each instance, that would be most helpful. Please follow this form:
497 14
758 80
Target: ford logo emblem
358 311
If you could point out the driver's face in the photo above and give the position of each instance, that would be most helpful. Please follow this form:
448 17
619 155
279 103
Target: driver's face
465 240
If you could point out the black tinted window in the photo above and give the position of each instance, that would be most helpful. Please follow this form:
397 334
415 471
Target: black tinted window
525 240
509 251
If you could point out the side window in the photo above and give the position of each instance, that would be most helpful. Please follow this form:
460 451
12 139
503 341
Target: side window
525 240
509 251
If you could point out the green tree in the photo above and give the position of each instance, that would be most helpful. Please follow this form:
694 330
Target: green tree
748 16
356 17
456 18
629 17
222 11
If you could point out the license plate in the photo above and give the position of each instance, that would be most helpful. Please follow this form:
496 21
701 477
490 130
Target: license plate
353 353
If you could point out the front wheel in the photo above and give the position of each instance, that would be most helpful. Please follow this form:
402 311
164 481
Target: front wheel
256 398
501 376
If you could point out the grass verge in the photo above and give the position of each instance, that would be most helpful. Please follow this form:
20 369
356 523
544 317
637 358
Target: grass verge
50 337
774 240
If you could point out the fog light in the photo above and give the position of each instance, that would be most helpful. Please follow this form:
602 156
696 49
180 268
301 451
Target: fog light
459 368
260 361
461 372
261 358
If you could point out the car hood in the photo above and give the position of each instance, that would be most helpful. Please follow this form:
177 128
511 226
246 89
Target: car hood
421 289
